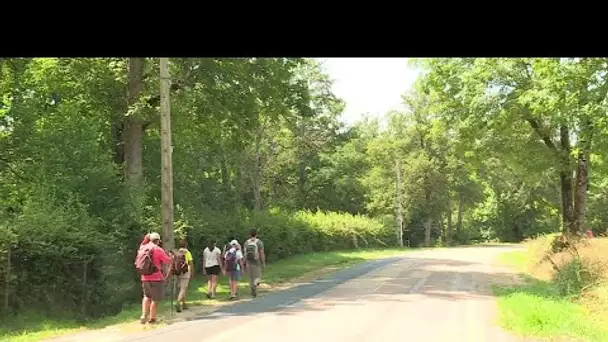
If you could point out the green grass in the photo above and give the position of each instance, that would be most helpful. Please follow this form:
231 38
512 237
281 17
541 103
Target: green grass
31 326
517 259
536 309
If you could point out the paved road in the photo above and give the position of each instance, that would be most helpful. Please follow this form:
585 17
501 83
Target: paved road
434 295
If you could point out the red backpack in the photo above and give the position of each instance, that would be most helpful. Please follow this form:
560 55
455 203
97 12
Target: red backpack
144 262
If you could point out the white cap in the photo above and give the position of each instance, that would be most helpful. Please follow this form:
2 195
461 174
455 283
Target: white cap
154 236
234 243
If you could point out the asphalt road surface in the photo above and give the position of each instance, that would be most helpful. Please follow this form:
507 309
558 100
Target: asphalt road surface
432 295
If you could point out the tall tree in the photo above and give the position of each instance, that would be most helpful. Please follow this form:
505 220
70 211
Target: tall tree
557 98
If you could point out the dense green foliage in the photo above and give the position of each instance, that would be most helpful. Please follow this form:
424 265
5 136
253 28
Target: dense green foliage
289 234
487 149
253 140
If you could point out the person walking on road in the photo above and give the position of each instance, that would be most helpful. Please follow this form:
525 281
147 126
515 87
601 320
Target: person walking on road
212 266
233 266
148 263
255 260
186 274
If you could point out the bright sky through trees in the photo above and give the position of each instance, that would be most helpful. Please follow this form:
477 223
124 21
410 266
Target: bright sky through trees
369 85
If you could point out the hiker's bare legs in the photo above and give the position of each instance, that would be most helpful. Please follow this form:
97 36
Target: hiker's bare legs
213 284
152 310
181 297
234 287
145 307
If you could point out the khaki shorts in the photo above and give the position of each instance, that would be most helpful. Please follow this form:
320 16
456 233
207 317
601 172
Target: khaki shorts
153 290
184 280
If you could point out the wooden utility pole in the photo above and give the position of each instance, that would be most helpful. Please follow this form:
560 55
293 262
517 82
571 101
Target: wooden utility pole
167 149
398 204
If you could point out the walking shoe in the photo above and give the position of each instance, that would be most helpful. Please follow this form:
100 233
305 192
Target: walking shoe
152 321
178 308
254 291
142 319
184 307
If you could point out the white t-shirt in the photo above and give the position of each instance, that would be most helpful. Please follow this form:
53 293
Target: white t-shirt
212 258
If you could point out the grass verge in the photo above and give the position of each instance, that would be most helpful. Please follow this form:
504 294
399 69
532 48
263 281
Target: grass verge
279 275
537 309
516 259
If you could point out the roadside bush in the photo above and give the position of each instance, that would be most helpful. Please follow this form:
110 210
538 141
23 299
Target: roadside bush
61 262
580 268
287 234
346 231
47 257
572 278
7 241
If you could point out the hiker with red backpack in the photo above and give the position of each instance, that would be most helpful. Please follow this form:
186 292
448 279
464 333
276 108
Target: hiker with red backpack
149 261
255 260
183 268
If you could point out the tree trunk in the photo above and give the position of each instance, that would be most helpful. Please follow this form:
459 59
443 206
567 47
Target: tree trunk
565 177
582 178
428 224
449 232
565 170
460 213
132 133
398 204
567 210
580 199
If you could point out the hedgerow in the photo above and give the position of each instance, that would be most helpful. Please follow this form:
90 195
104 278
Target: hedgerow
286 234
64 260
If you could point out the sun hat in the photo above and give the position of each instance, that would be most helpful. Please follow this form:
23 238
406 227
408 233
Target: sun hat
154 236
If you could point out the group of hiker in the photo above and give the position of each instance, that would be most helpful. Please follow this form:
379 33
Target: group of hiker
233 261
